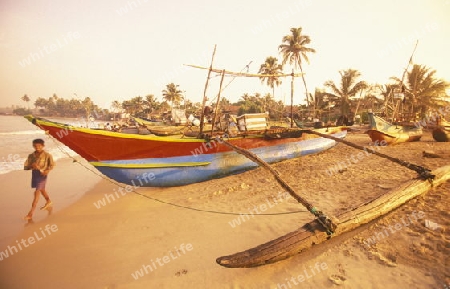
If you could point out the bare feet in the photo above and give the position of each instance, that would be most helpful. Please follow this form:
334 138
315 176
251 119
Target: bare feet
28 217
47 205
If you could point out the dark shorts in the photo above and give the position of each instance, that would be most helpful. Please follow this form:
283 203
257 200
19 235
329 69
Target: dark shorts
38 180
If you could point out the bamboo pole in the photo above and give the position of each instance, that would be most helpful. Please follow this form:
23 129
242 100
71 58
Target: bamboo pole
359 102
244 74
202 118
394 112
292 99
217 103
403 77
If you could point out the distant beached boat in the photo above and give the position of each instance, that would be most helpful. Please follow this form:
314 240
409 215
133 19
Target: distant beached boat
442 132
145 122
159 128
155 161
381 130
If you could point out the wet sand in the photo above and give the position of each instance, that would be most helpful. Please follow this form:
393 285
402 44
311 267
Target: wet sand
104 247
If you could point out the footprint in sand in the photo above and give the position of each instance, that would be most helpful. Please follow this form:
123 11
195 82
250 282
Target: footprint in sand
179 273
337 279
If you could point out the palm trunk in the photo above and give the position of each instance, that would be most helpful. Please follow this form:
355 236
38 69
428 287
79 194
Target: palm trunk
304 83
306 91
292 99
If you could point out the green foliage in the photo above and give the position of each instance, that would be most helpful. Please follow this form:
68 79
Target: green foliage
422 89
257 104
21 111
294 50
271 68
172 94
56 106
347 88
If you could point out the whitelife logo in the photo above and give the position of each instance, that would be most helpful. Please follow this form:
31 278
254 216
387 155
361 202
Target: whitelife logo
11 250
146 269
48 49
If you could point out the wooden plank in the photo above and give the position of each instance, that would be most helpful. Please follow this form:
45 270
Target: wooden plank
313 233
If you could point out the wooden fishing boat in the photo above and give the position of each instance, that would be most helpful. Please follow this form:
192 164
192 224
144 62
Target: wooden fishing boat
158 128
166 130
441 132
145 122
381 130
155 161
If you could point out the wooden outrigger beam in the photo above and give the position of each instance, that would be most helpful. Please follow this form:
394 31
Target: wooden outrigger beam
327 223
423 172
313 232
244 74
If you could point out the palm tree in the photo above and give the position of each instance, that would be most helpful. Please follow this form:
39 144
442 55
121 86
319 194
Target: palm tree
172 94
88 106
137 103
271 68
387 90
26 99
321 103
348 87
294 50
134 106
246 97
41 102
116 107
422 88
151 102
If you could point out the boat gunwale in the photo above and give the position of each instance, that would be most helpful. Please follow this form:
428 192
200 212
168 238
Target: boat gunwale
147 166
42 121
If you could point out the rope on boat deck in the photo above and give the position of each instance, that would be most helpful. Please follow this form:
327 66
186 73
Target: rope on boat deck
61 148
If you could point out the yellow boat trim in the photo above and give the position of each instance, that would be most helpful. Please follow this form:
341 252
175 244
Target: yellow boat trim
147 166
114 134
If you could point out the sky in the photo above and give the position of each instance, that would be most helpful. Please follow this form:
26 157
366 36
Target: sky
118 49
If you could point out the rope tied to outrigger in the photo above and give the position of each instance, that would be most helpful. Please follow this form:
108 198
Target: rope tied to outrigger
423 172
326 221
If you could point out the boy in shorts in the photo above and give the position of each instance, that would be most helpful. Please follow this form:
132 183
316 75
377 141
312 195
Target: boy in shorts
41 163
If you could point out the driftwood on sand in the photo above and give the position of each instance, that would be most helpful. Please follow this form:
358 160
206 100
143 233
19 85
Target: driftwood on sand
432 154
314 233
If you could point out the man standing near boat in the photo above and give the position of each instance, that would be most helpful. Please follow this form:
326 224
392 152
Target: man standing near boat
41 163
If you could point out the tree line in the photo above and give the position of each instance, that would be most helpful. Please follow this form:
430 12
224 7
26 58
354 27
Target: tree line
417 93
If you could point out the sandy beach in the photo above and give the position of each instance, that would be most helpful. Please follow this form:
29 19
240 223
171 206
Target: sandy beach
134 242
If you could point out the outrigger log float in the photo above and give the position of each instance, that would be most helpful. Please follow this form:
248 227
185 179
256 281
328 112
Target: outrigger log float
323 227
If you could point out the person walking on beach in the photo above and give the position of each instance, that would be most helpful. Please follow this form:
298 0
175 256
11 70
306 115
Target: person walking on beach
41 163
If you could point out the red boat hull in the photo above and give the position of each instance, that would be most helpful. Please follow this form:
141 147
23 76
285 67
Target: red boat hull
101 145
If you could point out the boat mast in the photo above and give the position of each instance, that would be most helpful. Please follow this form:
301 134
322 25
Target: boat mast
202 118
240 74
404 73
217 103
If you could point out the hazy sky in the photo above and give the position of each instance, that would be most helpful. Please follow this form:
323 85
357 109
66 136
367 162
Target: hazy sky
118 49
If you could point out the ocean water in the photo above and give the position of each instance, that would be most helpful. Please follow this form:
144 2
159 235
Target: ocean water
68 182
16 136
